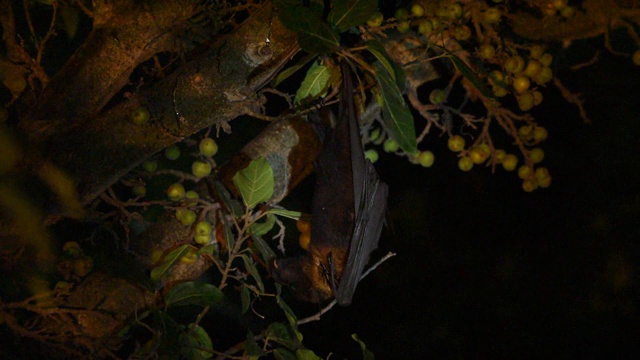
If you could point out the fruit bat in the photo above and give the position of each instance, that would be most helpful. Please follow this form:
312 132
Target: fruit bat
349 204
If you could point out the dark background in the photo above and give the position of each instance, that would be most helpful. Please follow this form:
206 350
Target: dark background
484 269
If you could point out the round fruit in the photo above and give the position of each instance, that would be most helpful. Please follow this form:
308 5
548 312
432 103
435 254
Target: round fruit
208 147
568 12
436 23
465 163
546 59
525 132
175 192
487 51
425 27
190 258
426 158
462 33
497 78
499 91
544 182
536 51
303 226
417 10
390 146
186 216
540 134
454 10
203 228
492 16
536 155
404 26
525 101
524 172
514 64
402 14
202 239
529 185
150 165
559 4
200 168
500 155
541 173
437 96
375 135
371 155
456 143
533 68
537 97
82 266
636 57
376 19
521 84
140 115
139 190
510 162
304 240
72 248
478 155
172 152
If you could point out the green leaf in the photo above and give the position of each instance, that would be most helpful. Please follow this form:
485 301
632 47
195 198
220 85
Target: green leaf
251 347
251 269
283 354
397 74
261 228
314 85
314 35
192 293
282 334
255 182
263 248
228 235
473 78
245 298
194 341
306 354
295 215
396 115
286 73
346 14
233 205
366 354
208 249
293 320
174 256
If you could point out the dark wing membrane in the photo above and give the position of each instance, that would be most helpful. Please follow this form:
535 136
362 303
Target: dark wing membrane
366 233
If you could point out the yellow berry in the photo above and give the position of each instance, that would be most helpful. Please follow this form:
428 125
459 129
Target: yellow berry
541 173
568 12
190 257
304 240
425 27
376 19
417 10
140 116
465 163
454 10
537 97
559 4
426 158
462 32
521 84
546 59
544 76
496 77
536 155
536 51
514 64
499 91
525 101
303 226
437 96
208 147
525 132
544 182
510 162
172 152
478 155
150 165
390 146
500 155
529 185
540 134
402 14
176 192
371 155
456 143
524 172
533 68
139 190
200 169
636 57
404 26
487 51
492 16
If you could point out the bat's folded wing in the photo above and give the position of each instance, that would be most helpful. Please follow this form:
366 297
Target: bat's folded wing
368 225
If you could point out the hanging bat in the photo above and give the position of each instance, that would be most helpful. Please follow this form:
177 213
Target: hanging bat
349 203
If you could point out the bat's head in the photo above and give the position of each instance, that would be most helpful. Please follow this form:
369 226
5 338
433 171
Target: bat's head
296 273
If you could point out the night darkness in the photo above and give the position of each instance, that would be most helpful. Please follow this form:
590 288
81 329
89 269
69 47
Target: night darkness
486 270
